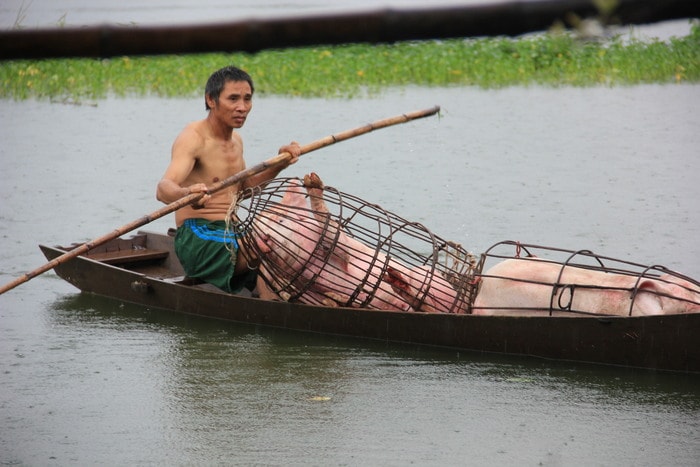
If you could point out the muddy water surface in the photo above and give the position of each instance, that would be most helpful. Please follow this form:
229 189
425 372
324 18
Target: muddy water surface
89 381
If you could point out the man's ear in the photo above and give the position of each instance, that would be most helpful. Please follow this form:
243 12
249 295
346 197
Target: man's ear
210 101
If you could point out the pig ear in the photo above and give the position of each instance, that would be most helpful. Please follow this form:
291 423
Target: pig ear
294 195
647 301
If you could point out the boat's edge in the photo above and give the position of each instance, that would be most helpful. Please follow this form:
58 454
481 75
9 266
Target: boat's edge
665 342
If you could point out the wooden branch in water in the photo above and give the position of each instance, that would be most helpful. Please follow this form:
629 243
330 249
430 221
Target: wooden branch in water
382 26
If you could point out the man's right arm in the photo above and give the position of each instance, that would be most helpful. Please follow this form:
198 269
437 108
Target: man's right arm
170 188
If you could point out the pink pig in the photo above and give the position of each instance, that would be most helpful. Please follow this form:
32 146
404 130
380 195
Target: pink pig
307 256
305 251
525 287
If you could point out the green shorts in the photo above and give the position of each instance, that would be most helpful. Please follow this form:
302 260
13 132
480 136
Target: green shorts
205 250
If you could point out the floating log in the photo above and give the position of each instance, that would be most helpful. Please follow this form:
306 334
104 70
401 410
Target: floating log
381 26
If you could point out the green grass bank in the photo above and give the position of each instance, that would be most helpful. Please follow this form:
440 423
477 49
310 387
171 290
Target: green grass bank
346 71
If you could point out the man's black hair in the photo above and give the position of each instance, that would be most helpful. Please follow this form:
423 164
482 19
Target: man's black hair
218 79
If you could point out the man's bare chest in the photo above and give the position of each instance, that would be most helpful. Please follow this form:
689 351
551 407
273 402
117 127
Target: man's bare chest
220 156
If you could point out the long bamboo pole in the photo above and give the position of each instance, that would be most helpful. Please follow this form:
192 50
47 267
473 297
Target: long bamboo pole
233 179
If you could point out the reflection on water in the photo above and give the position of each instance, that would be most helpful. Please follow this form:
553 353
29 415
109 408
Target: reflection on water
227 389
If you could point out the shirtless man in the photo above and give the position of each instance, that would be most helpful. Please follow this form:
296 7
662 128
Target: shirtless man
205 152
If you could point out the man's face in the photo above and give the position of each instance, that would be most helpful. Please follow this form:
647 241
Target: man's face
235 101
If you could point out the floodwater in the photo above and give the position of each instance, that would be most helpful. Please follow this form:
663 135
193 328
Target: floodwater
87 381
90 381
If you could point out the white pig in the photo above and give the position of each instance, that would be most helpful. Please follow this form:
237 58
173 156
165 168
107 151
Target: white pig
526 286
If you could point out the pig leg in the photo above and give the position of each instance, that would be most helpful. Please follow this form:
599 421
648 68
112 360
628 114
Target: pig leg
345 247
294 195
411 286
264 292
314 187
402 286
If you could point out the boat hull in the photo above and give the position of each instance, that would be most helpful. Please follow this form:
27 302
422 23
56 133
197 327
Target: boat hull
665 342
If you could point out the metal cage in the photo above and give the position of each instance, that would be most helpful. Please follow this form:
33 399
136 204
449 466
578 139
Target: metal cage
320 246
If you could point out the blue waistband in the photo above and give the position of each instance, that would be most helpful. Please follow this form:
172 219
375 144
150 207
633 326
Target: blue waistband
213 231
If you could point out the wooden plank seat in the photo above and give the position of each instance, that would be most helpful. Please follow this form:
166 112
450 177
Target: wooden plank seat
184 280
127 256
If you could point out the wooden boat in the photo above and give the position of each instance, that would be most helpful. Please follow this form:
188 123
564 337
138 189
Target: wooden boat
144 270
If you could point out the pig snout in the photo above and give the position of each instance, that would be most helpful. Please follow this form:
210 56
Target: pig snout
262 242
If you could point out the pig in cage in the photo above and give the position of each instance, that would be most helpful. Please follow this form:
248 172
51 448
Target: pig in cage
319 246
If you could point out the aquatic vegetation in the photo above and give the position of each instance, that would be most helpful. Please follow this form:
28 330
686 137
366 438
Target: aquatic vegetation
344 71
